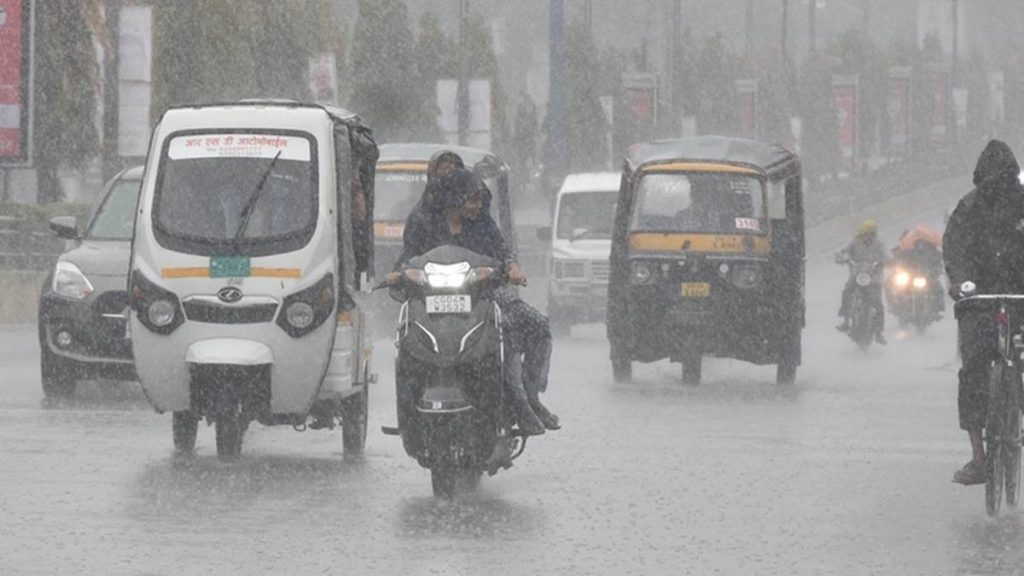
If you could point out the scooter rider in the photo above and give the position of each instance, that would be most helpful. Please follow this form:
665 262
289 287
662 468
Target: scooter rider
864 247
458 218
984 244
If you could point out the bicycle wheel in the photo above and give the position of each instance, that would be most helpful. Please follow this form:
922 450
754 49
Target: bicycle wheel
1011 455
995 444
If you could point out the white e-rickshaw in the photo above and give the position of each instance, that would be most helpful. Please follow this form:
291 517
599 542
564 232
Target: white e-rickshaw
253 247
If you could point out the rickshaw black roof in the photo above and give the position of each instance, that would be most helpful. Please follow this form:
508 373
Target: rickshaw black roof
419 152
760 155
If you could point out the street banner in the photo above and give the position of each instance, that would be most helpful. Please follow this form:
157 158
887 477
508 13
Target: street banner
844 91
746 92
323 78
898 112
134 77
939 77
15 81
642 97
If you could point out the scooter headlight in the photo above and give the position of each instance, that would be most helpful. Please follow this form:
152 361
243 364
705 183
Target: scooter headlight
447 275
920 282
300 315
902 279
161 313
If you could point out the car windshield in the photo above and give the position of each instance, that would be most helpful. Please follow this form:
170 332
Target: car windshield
700 202
586 215
395 194
115 219
237 188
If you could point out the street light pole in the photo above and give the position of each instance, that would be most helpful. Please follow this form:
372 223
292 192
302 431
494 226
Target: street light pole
557 146
111 159
462 92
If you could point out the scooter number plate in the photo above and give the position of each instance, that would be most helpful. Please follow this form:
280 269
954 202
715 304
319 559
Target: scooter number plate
449 304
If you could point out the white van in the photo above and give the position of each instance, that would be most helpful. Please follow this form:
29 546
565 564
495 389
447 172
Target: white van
581 240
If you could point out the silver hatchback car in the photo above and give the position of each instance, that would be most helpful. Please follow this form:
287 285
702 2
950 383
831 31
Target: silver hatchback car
83 331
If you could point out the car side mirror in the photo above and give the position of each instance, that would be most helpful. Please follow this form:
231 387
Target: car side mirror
64 227
544 234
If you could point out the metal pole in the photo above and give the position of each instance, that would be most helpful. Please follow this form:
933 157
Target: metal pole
462 92
557 141
111 156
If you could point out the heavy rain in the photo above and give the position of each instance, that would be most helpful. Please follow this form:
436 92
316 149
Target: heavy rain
531 286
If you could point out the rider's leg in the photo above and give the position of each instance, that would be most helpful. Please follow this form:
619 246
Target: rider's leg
525 416
844 305
534 337
876 296
977 339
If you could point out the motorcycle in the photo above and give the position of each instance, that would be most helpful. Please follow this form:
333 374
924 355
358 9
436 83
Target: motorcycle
861 314
911 296
455 415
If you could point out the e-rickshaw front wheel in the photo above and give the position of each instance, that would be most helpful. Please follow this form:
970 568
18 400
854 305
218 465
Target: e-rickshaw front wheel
354 416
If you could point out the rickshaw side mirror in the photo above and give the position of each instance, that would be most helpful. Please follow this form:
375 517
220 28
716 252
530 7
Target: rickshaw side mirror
544 234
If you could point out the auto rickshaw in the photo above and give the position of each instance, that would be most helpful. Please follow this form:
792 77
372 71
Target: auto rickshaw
251 255
707 256
401 179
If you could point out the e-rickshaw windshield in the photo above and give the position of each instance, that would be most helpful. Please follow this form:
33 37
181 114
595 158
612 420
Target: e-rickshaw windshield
256 193
704 202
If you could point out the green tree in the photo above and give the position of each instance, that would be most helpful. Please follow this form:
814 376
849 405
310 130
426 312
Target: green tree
385 90
67 90
525 139
715 87
586 126
820 144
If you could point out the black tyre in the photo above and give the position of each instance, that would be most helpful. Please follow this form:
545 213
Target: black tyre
354 417
789 361
230 426
58 377
622 370
185 426
994 473
692 369
1011 456
448 482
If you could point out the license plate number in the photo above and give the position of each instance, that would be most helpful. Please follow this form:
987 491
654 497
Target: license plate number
695 290
449 304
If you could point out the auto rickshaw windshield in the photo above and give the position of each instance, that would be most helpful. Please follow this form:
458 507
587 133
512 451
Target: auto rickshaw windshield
396 194
719 203
217 194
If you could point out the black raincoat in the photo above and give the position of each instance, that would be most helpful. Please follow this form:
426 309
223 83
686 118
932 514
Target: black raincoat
984 244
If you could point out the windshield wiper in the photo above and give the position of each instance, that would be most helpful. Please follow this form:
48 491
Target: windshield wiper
250 206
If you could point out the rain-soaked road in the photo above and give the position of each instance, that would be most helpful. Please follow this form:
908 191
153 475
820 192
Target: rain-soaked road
847 472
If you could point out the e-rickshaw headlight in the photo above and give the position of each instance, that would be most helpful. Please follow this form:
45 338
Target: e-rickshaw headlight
746 276
643 273
160 313
300 315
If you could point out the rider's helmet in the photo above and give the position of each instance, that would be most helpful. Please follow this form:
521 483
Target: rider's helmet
867 227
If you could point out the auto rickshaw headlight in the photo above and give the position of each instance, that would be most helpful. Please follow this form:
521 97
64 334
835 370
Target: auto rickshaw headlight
160 313
643 273
920 282
902 279
300 315
746 276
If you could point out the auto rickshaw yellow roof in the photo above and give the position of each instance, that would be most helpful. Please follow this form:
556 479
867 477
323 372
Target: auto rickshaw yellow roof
710 150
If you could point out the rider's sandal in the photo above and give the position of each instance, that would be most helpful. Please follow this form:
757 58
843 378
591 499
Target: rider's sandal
970 475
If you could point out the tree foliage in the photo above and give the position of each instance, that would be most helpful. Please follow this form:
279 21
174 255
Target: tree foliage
586 123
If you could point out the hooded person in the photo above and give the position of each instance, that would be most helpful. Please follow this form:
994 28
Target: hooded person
984 244
441 163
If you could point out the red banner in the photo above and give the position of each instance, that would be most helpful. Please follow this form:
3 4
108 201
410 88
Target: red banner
13 84
746 92
845 93
898 112
940 106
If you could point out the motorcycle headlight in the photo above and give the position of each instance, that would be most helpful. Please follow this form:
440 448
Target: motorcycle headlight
920 282
300 315
746 276
446 275
902 279
70 282
643 273
161 313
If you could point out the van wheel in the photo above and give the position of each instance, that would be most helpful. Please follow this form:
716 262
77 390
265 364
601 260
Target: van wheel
230 427
622 370
354 416
692 366
185 426
58 378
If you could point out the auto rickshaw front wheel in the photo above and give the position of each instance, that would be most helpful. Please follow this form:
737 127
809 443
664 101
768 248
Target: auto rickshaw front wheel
185 426
692 368
622 369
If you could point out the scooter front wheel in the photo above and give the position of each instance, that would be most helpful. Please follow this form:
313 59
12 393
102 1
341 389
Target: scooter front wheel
449 482
230 427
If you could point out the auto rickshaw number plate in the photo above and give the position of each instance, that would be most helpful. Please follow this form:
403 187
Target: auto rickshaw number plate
449 304
695 290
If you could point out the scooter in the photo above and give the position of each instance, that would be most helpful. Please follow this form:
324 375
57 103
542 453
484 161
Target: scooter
861 314
455 413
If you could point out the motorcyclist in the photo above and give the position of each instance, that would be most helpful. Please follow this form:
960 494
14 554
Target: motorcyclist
984 244
920 250
865 247
458 218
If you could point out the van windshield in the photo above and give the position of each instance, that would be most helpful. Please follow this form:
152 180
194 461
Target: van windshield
586 215
248 193
700 202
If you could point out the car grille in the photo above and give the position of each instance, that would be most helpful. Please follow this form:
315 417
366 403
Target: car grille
599 270
212 313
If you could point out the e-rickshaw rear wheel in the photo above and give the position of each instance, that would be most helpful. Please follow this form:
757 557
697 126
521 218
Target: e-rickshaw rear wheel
185 426
692 368
354 416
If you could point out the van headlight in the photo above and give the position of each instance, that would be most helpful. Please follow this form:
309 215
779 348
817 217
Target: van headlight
70 282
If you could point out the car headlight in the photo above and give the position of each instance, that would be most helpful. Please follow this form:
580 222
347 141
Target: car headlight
746 276
161 313
901 279
299 315
70 282
570 269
